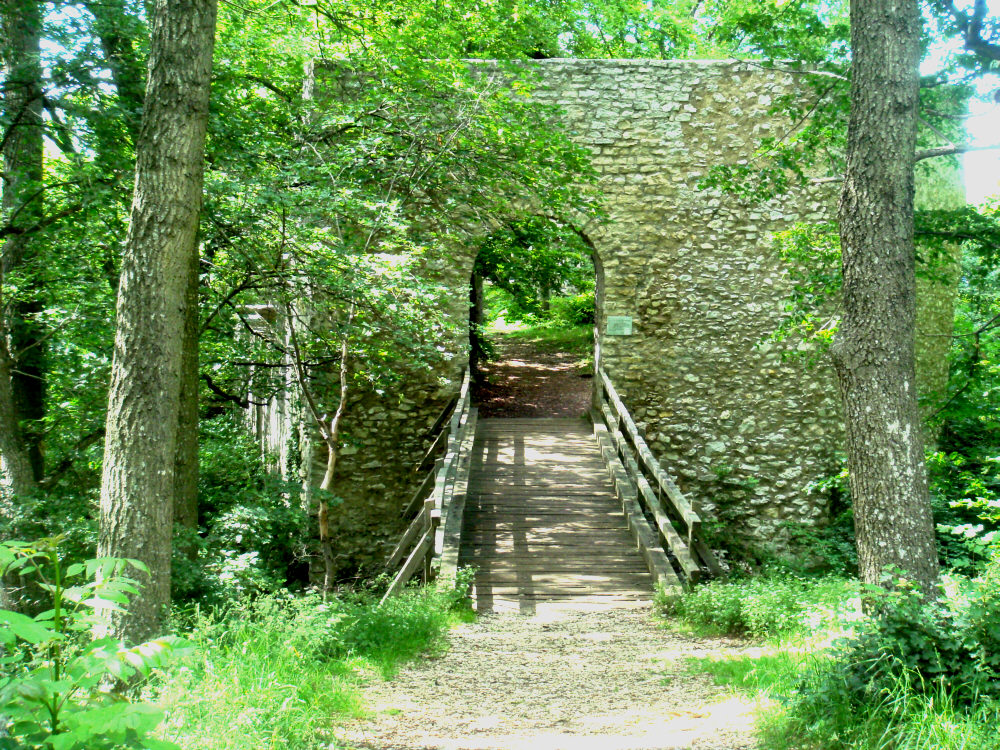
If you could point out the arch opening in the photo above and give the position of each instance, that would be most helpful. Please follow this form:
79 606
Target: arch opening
533 297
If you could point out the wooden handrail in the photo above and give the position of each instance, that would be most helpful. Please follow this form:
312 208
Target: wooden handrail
656 491
670 489
440 498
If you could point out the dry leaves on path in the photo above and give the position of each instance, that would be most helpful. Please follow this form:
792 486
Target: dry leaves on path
526 382
561 680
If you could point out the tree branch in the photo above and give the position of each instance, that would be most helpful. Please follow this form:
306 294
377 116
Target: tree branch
972 29
961 148
272 87
226 396
67 463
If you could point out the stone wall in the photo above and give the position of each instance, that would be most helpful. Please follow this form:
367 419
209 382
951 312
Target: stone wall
744 428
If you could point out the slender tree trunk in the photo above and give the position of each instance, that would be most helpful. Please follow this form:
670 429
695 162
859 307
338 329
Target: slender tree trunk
477 317
24 369
330 432
143 401
874 350
17 477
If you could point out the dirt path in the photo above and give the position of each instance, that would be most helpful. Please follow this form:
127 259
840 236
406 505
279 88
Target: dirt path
561 680
526 382
575 675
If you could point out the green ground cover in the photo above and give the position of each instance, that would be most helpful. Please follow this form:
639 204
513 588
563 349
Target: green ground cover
915 676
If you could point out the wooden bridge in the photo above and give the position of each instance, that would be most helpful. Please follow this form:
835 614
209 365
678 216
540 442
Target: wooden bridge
567 513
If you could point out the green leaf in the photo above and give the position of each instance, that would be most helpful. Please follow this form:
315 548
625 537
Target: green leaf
26 628
153 744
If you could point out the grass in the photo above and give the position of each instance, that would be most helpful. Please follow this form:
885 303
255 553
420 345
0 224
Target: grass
280 672
767 606
549 337
770 672
804 697
896 718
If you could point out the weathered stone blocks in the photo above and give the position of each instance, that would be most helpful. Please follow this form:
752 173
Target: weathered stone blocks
746 430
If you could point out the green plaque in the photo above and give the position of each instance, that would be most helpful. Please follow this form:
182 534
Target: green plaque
619 325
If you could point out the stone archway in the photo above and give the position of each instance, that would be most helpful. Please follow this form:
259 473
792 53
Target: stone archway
745 429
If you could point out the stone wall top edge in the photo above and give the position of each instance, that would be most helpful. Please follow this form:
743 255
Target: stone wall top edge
623 62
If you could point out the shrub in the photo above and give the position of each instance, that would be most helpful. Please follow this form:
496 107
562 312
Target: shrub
950 643
576 310
762 607
916 672
253 526
56 692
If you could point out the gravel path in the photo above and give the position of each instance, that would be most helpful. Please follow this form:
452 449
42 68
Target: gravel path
562 679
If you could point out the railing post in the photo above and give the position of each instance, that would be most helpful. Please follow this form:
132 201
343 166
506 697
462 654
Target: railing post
432 515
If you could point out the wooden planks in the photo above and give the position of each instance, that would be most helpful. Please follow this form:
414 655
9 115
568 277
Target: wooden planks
542 523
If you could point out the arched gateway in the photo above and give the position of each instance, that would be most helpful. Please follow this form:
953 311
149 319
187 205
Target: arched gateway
689 291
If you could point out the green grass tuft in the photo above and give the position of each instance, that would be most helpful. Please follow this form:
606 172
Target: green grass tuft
769 606
280 671
552 338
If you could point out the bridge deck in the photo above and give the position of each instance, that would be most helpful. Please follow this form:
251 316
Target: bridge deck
542 524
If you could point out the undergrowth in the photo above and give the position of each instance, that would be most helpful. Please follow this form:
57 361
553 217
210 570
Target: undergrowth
548 338
279 671
914 676
766 606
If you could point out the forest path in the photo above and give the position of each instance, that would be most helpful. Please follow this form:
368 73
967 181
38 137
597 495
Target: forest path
564 679
527 380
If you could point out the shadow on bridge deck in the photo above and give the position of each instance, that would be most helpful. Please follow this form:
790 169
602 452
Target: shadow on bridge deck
542 524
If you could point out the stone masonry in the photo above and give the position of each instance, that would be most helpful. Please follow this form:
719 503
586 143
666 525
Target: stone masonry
746 430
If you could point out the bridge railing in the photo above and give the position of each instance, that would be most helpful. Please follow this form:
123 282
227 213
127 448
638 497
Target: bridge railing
430 542
660 515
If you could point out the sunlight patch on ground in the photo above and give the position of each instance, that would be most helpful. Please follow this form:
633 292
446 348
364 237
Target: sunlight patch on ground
636 730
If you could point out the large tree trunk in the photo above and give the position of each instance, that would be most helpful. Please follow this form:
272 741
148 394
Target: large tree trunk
23 368
874 349
117 31
138 482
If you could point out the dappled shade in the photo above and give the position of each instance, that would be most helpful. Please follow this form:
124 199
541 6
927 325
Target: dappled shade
542 524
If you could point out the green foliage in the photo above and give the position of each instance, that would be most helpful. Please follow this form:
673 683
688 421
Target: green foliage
56 692
934 643
533 259
828 548
767 606
910 671
811 253
407 149
577 310
966 505
913 676
277 671
253 527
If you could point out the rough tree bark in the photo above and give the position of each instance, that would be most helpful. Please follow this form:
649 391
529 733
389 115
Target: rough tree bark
138 481
22 361
117 30
874 351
